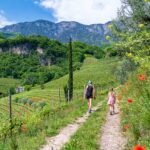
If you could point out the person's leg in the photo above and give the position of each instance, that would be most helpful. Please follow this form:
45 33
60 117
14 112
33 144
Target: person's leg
110 109
113 108
90 104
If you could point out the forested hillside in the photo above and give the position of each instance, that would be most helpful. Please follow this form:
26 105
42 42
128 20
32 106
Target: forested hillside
37 60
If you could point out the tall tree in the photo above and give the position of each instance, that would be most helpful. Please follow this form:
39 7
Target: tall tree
70 80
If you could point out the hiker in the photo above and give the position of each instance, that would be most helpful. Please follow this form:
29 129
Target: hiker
111 101
89 94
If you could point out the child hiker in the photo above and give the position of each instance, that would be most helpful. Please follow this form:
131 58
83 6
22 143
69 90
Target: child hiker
111 101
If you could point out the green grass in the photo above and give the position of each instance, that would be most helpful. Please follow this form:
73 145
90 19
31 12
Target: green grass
86 138
59 113
6 83
99 71
49 126
136 115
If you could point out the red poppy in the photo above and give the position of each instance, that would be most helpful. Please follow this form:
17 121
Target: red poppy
142 77
24 128
130 100
126 126
138 147
127 84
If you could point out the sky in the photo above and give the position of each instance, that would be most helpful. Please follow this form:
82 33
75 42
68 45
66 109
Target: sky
82 11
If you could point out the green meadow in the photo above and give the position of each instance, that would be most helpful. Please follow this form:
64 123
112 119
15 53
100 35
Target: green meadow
35 123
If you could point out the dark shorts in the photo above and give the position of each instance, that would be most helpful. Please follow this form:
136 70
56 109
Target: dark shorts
89 96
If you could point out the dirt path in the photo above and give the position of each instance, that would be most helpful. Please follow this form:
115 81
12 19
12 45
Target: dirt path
58 141
112 138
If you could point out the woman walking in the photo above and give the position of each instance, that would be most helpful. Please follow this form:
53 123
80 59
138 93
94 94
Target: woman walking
111 101
89 94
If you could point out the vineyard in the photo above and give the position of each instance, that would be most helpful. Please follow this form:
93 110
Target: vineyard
39 112
6 83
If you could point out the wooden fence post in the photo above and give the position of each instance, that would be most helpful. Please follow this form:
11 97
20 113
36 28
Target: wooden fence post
10 111
59 96
68 95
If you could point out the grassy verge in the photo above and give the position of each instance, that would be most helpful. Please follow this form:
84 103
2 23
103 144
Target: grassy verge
87 136
135 111
32 139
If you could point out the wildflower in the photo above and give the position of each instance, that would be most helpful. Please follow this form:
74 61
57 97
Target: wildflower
141 25
126 84
107 37
129 55
24 128
142 77
110 26
130 100
136 58
146 1
126 126
138 147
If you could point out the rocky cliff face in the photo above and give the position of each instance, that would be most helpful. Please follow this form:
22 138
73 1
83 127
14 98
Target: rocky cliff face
91 34
22 49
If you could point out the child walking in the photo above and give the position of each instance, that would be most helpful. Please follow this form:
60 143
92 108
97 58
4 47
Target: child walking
111 101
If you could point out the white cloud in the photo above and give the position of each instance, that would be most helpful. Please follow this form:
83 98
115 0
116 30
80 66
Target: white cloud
3 20
83 11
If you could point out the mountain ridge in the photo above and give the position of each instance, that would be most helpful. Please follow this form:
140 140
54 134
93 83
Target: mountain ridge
93 34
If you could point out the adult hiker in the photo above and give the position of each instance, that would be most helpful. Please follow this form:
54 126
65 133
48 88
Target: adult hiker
111 101
90 93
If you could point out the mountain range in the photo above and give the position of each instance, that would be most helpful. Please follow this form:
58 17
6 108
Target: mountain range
91 34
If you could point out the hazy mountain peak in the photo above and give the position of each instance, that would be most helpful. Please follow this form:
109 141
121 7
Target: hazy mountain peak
92 34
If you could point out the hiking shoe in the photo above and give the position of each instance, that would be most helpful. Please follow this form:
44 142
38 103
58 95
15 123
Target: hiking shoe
90 110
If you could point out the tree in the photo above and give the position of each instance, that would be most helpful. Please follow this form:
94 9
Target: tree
70 81
133 13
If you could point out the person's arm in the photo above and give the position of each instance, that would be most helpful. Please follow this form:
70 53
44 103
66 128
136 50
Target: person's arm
85 91
108 96
94 92
114 95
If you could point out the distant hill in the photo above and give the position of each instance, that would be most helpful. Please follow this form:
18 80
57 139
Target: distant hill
91 34
4 35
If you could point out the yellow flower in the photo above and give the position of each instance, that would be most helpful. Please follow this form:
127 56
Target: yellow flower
136 58
110 26
146 1
141 25
129 55
107 37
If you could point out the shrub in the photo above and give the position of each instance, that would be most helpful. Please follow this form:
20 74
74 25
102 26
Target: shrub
29 101
27 87
16 99
42 104
23 100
